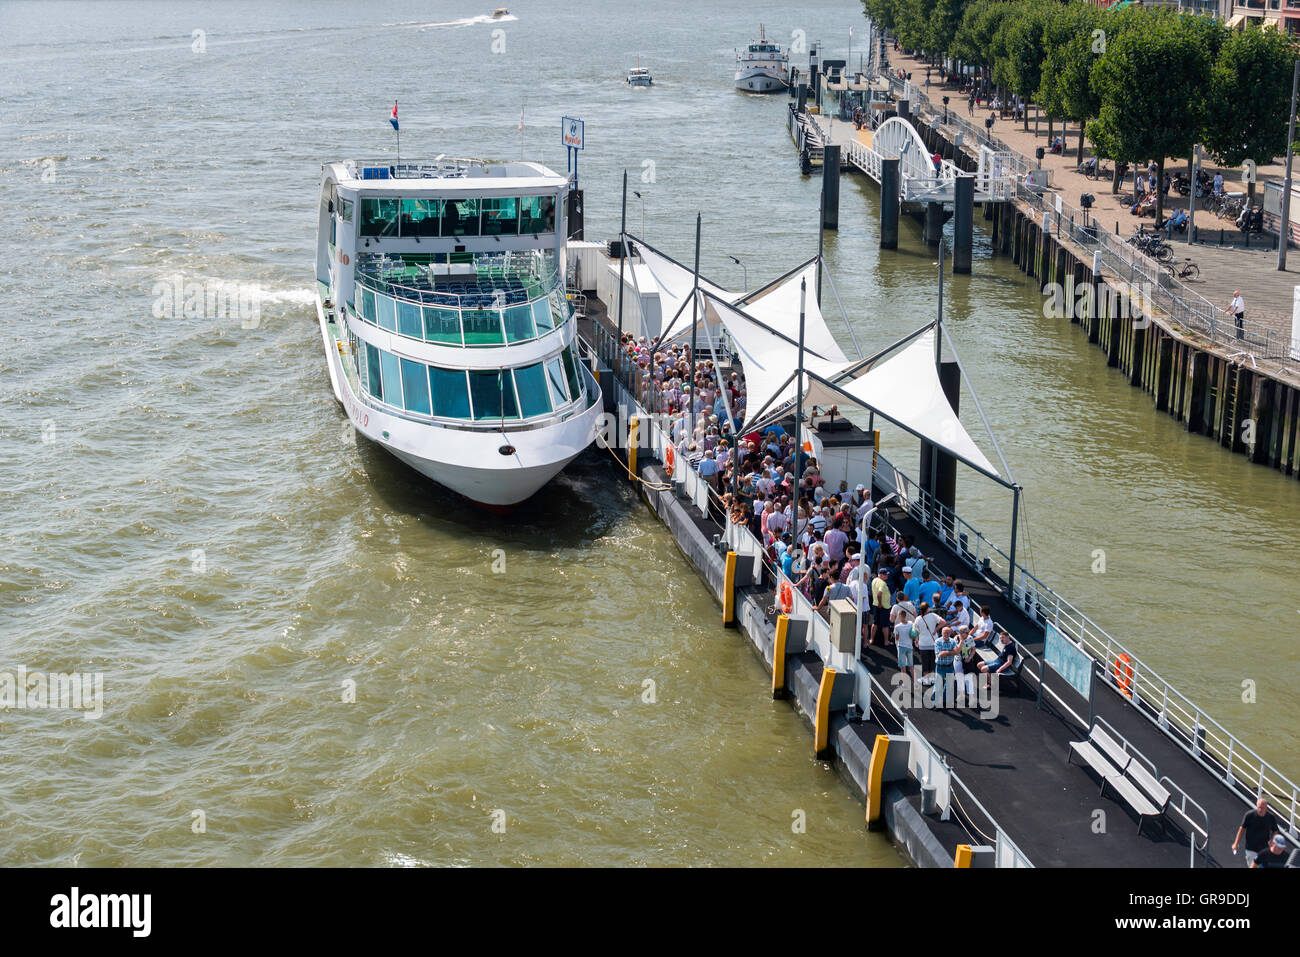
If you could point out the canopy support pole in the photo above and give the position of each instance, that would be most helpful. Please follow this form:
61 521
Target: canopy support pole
843 315
695 322
1015 524
622 258
798 416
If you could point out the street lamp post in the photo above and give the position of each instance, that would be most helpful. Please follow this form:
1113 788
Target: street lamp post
642 198
742 266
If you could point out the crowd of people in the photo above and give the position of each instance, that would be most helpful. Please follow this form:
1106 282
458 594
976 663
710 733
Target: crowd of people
818 535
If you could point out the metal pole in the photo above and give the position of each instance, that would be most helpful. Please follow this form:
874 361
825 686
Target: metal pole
695 321
1015 525
622 258
798 417
1284 230
1191 199
821 232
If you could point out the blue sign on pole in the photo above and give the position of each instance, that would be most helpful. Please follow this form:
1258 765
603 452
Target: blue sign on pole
1068 660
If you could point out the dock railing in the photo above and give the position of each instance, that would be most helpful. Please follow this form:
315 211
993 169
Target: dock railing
1200 735
1148 281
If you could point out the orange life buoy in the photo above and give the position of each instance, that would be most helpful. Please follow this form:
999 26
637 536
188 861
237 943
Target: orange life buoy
785 596
1124 674
670 460
345 259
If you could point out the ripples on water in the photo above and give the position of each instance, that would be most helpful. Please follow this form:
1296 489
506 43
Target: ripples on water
325 561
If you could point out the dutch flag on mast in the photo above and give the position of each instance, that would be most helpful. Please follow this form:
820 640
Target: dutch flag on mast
397 131
393 119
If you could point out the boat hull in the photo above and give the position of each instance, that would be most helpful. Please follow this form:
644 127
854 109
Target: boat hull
469 463
759 81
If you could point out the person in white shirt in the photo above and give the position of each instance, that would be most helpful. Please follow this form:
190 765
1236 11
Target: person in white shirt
903 642
1238 310
928 626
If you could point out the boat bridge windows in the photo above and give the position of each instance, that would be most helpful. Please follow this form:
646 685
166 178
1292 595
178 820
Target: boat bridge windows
476 395
489 216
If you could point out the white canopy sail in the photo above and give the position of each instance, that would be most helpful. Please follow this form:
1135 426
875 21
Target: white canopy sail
777 305
905 388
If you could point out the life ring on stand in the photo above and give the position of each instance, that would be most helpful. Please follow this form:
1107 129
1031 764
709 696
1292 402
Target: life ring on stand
785 597
670 460
1124 674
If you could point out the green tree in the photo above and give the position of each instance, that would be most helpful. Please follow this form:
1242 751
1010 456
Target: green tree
881 11
944 20
912 22
1150 82
1020 41
1074 39
1249 98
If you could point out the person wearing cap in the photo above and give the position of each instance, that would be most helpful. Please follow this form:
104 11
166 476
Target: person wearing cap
1258 828
1274 855
911 587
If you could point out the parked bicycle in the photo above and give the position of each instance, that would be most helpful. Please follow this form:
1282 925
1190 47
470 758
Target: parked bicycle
1188 270
1153 245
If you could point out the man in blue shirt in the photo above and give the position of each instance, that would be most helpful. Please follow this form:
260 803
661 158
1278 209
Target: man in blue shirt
911 587
929 589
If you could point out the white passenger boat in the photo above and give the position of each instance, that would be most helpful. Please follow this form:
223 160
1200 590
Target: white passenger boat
762 67
639 75
449 336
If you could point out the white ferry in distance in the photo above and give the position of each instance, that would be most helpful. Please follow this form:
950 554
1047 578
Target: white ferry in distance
449 337
762 67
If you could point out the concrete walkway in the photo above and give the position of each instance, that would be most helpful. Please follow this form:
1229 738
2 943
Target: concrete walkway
1268 292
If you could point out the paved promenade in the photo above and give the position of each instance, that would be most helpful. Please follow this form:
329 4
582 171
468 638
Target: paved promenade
1268 293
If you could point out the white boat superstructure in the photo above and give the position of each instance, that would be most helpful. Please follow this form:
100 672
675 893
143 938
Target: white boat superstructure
762 67
639 76
449 335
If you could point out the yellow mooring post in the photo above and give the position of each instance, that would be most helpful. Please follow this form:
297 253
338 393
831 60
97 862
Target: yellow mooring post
963 856
778 657
729 591
876 782
875 450
822 723
633 427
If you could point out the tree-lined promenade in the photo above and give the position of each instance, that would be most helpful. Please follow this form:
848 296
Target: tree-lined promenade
1141 83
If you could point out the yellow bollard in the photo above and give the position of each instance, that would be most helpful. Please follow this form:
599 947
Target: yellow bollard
875 451
633 427
729 591
778 657
963 857
876 781
822 723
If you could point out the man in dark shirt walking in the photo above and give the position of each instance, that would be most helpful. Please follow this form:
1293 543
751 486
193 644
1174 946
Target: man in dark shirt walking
1258 827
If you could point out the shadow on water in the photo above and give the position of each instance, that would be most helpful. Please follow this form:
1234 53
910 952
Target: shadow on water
580 505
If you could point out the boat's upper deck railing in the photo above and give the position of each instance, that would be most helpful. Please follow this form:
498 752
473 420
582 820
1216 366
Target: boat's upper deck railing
496 280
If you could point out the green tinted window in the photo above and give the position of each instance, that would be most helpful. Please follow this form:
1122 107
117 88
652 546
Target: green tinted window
392 378
555 380
376 385
367 305
408 320
415 386
482 327
493 395
533 397
387 313
441 325
501 216
571 373
460 217
378 217
537 214
542 315
450 393
519 323
420 217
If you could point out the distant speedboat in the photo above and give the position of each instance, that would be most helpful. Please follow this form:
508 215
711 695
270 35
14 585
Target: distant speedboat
639 75
500 12
762 67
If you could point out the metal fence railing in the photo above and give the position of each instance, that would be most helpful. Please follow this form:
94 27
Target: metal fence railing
739 538
1200 735
1150 284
